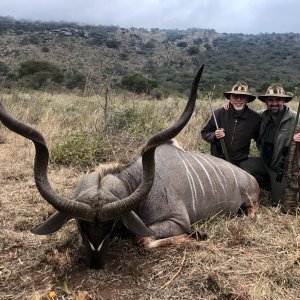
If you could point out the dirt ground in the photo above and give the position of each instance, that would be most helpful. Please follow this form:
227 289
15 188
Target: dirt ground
242 258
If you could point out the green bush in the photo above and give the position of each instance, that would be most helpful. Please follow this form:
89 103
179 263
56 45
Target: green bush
10 76
3 68
75 79
124 56
127 125
182 44
193 50
36 74
173 35
45 49
114 44
136 123
149 45
78 149
138 83
197 41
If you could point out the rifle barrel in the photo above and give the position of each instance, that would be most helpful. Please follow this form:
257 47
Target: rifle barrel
222 140
286 149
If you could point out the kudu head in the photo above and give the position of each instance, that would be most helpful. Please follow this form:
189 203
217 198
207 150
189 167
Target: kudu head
98 211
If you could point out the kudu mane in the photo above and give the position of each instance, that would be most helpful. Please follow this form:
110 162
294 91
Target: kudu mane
109 168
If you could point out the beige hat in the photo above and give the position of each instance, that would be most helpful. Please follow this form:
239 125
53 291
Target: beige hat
275 90
240 88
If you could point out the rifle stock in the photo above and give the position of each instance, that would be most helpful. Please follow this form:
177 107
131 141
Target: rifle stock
290 201
286 149
225 149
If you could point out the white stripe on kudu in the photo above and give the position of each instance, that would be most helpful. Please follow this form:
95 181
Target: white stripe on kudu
198 174
214 167
228 166
191 181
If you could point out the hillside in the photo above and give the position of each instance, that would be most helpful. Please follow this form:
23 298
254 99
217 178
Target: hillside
169 57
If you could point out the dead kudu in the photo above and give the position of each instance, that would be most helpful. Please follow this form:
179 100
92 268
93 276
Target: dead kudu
157 196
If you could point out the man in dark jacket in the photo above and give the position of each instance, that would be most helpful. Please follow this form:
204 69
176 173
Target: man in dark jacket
237 125
276 130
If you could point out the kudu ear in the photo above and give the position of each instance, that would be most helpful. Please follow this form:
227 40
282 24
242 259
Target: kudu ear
135 225
52 224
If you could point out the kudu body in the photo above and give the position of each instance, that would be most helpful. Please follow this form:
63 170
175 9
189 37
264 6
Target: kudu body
157 197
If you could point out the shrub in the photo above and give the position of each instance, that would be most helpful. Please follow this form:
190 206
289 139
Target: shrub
149 45
78 149
36 74
138 123
194 50
45 49
3 68
124 56
173 35
197 41
126 126
96 40
75 79
138 83
35 40
10 76
114 44
182 44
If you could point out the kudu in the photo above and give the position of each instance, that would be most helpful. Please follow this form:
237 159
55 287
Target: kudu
157 196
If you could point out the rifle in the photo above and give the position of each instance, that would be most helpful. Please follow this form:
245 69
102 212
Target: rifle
286 149
222 140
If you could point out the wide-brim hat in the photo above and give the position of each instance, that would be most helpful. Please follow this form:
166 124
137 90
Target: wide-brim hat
275 90
240 88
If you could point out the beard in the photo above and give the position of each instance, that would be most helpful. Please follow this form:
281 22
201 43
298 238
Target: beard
238 107
275 110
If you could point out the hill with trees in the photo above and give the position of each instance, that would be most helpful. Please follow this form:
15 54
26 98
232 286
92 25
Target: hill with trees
61 55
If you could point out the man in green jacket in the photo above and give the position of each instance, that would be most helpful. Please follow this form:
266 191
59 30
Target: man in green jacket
238 124
275 133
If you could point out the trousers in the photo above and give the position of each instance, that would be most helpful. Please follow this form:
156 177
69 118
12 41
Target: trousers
266 178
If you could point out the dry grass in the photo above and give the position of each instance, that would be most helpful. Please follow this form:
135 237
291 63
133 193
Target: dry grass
242 258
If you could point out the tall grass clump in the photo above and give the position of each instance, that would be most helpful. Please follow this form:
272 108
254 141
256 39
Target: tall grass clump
135 122
128 127
79 149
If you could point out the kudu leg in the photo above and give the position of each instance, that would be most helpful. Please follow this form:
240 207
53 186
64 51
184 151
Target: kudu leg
151 243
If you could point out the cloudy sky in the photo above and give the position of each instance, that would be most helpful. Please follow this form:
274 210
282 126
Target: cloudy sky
231 16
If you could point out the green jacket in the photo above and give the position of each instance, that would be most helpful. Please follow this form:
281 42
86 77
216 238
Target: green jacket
283 135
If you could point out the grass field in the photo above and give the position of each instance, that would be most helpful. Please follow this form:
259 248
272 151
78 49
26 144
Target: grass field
242 258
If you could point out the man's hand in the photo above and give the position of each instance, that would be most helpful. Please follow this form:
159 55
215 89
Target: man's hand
297 137
220 133
226 105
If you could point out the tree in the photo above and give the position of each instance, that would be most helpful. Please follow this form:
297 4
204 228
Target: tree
36 74
3 68
114 44
75 79
193 50
138 83
182 44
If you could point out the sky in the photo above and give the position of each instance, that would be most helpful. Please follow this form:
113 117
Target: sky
230 16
